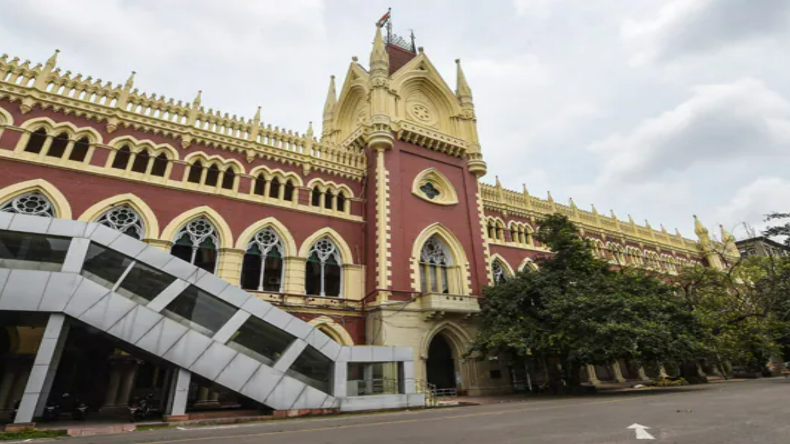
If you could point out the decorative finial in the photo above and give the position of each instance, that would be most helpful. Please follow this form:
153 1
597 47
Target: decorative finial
257 115
52 60
498 183
594 210
524 188
198 97
462 91
354 58
129 82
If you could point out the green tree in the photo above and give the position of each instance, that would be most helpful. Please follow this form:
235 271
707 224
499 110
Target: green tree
744 309
577 310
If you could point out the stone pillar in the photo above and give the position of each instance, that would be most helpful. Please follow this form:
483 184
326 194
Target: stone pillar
179 392
7 383
294 275
618 373
662 372
213 397
127 383
112 387
229 264
592 377
44 367
368 377
642 375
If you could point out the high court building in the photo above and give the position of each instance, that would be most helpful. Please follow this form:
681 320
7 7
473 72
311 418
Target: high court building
148 244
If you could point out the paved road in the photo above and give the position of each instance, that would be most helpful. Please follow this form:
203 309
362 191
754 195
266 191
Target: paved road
737 412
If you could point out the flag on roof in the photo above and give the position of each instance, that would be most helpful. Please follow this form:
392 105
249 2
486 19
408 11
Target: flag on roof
384 18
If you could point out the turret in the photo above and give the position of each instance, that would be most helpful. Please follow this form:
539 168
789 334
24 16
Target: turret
380 137
329 111
705 244
468 122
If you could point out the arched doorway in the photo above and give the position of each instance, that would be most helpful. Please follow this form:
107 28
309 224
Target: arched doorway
440 366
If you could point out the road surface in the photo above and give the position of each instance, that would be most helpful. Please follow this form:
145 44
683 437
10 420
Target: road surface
734 412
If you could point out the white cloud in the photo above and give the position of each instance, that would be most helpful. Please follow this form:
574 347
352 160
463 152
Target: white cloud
718 123
539 9
686 27
752 202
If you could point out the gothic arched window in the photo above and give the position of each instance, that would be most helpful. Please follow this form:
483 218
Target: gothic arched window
160 165
434 264
140 164
500 272
196 243
323 275
274 188
80 150
260 185
229 179
122 157
289 191
59 144
262 269
124 219
36 141
195 172
212 175
33 204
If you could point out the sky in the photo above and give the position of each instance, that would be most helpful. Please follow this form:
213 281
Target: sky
658 109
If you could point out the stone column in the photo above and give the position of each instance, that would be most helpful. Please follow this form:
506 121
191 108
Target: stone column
127 383
44 367
592 377
229 264
213 397
618 373
179 392
7 383
112 387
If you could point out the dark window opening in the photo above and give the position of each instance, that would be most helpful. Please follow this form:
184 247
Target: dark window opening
140 164
195 306
160 165
80 150
315 199
328 200
274 188
59 144
122 157
341 202
260 185
229 179
212 176
195 171
36 141
289 191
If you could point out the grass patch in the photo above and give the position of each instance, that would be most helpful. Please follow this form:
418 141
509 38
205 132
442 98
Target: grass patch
30 434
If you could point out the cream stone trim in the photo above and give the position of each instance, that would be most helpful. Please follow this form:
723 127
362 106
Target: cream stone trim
457 335
59 202
325 185
53 128
484 236
505 263
527 262
383 225
6 120
270 174
340 243
285 235
209 159
447 194
150 223
223 229
136 145
460 262
332 329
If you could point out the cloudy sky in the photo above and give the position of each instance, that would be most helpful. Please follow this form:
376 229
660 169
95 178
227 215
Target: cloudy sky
655 108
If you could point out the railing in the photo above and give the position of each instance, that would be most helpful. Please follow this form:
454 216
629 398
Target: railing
367 387
428 389
450 302
445 393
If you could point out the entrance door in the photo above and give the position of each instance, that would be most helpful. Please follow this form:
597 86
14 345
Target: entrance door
440 364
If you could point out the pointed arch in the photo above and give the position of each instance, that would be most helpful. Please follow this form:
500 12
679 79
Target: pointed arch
527 262
345 251
150 222
332 329
225 233
454 333
58 200
441 191
508 269
285 235
6 119
455 248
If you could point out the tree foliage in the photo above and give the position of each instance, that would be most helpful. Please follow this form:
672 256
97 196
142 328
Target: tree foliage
580 310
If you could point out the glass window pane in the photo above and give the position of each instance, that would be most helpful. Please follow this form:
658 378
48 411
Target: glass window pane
206 258
250 271
24 251
260 340
332 274
104 266
199 310
313 277
144 283
273 274
312 368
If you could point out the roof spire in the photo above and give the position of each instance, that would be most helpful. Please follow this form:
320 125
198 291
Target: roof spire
50 65
379 59
699 229
462 91
331 100
129 82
